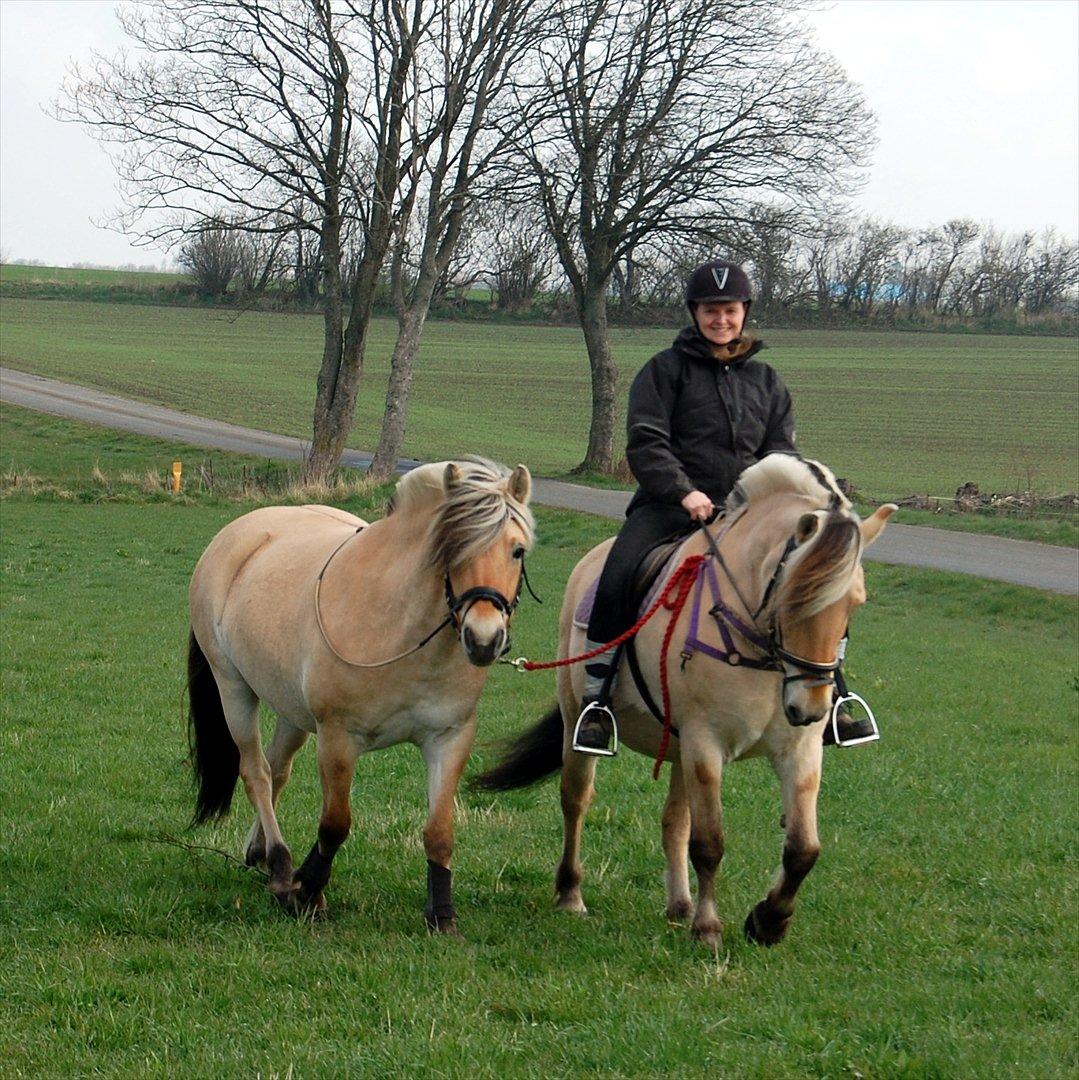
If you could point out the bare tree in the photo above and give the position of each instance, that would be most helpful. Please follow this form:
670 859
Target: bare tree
284 116
658 111
1053 274
516 253
464 64
212 258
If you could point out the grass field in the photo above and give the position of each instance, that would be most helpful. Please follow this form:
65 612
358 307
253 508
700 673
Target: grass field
895 413
936 937
11 274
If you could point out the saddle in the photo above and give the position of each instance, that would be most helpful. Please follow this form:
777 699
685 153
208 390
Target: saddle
648 578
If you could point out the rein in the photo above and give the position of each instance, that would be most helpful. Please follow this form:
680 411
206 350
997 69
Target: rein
454 603
689 574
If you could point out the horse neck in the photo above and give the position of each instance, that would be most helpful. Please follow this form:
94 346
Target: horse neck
754 536
396 574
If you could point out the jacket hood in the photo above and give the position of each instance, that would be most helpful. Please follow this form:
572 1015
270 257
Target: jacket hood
692 344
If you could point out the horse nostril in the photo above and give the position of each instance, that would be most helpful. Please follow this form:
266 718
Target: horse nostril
794 715
469 638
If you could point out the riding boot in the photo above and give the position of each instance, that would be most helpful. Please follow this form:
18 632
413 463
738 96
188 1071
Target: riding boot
843 729
596 725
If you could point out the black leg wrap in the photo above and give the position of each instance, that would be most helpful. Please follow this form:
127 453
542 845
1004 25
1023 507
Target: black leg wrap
439 912
315 871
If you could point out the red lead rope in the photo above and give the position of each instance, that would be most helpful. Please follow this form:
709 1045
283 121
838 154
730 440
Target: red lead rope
679 585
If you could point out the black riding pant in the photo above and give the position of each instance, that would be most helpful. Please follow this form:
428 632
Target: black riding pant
647 525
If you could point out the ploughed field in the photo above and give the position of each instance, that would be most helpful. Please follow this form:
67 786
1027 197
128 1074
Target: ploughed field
896 413
935 937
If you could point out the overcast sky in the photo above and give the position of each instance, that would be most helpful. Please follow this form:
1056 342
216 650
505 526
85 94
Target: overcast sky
977 102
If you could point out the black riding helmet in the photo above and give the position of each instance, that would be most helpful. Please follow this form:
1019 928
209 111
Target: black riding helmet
718 280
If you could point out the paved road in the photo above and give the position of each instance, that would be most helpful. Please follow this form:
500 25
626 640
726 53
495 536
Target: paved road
1041 566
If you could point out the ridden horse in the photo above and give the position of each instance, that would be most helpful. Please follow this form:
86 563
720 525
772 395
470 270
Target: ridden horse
329 621
756 679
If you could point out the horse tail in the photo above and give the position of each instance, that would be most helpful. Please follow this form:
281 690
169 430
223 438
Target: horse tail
214 755
532 756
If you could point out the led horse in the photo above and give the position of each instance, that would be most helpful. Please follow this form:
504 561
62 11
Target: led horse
782 576
336 625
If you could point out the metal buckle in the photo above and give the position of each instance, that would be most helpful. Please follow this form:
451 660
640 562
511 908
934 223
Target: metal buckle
869 713
594 751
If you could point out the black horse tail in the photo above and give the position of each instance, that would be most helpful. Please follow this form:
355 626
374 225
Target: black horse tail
532 756
214 755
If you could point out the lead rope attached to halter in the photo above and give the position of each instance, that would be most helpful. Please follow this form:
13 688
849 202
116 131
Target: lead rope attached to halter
326 638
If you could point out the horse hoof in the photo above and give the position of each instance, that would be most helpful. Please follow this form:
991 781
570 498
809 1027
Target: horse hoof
679 911
446 927
573 904
255 855
300 902
762 929
710 936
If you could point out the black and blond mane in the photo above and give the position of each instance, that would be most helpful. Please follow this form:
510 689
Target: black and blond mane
818 572
468 519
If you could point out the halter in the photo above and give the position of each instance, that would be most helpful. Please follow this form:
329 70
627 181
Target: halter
770 642
454 603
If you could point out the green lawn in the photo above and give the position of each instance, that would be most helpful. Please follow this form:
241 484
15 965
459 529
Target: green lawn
896 413
936 937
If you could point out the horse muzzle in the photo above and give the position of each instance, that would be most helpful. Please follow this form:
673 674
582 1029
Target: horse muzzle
483 653
799 717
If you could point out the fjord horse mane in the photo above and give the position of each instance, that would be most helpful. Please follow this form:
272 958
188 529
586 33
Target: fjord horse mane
818 572
470 516
778 474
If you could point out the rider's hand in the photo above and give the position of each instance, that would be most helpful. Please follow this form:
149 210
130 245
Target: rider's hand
698 506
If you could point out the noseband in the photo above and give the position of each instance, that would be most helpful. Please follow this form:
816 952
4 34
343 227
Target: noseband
464 602
455 603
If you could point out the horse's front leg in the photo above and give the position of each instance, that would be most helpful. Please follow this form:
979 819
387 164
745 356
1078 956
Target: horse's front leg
675 847
799 778
446 754
337 754
702 773
576 790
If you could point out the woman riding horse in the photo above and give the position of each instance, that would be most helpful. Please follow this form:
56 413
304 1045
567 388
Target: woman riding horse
700 413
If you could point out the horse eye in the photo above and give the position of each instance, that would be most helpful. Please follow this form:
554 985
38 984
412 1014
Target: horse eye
518 552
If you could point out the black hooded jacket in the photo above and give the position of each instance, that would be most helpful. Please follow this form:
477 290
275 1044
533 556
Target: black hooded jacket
696 422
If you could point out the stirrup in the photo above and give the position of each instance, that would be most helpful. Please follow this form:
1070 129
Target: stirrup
596 750
834 721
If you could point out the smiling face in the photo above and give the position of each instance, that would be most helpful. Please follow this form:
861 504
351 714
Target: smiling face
720 321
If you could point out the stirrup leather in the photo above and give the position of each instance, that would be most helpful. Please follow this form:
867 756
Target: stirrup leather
596 706
834 720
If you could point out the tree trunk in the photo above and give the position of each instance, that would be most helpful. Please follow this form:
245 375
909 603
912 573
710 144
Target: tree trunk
592 309
392 438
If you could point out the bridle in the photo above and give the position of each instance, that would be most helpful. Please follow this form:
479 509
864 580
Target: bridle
455 604
770 641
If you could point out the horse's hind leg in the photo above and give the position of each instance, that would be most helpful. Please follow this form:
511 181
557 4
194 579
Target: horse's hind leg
337 754
702 769
241 709
577 791
676 848
799 777
284 746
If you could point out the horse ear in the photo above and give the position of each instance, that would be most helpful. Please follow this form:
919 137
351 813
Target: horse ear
807 526
874 524
451 477
520 484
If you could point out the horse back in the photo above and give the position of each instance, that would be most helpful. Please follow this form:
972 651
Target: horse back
273 546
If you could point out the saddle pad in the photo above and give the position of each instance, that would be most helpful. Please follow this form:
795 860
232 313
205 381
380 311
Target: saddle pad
584 608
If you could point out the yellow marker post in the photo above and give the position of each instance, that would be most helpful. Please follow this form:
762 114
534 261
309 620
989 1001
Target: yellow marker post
177 470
